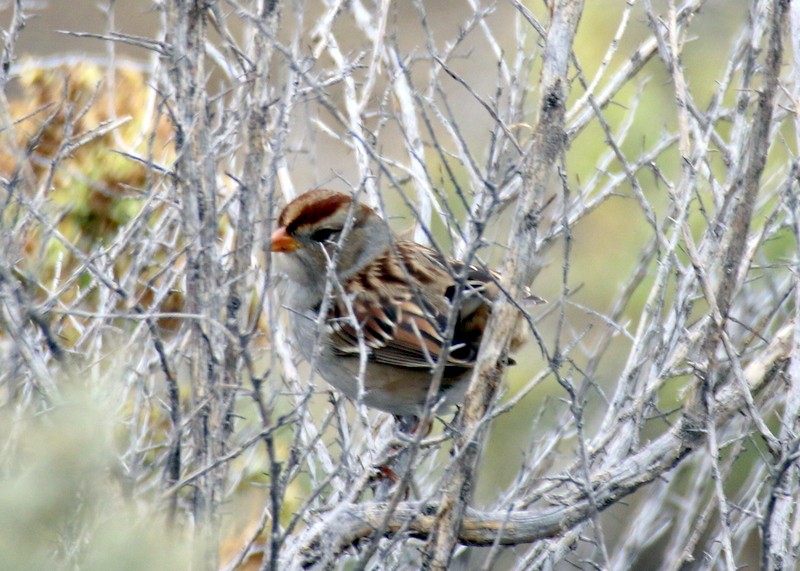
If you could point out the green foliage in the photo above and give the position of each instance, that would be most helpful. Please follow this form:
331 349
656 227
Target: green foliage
61 496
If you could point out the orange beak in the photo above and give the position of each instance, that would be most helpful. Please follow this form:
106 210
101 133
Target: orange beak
282 242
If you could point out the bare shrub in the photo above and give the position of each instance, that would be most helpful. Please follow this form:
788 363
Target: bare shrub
639 167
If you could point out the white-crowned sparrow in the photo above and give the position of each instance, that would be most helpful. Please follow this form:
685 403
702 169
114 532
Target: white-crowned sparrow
390 302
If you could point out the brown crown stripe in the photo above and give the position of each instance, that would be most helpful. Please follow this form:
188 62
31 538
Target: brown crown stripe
312 212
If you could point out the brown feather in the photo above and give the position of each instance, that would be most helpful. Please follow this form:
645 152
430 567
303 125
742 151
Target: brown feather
401 310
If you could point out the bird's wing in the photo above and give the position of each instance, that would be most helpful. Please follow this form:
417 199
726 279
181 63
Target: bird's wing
397 310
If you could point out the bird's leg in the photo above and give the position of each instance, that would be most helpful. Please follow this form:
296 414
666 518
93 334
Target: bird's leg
391 470
408 427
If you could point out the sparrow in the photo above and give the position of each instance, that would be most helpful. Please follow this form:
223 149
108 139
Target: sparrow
385 320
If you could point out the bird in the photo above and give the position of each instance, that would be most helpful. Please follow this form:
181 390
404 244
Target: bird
383 326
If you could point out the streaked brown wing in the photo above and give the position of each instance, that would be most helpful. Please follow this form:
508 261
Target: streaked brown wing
394 331
399 313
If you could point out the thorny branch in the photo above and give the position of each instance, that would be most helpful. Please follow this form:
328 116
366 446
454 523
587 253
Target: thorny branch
488 134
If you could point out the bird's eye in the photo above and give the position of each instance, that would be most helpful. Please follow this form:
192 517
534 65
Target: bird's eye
325 234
